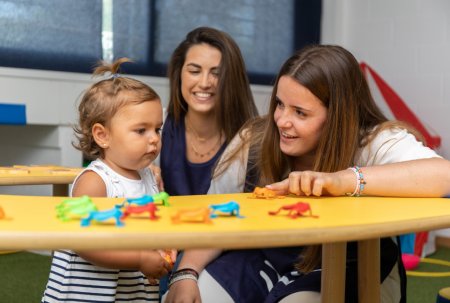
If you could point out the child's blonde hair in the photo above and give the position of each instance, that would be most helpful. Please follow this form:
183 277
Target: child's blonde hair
102 101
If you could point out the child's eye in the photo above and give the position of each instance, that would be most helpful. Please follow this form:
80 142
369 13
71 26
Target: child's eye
140 131
159 130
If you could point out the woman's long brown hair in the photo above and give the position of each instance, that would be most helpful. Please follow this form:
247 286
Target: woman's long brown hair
236 104
333 75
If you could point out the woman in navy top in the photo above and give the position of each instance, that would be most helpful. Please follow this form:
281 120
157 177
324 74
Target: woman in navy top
210 99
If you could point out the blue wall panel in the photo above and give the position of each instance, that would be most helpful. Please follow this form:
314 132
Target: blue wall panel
13 114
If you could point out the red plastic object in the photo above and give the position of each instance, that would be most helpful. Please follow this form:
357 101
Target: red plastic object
399 108
299 209
149 207
410 261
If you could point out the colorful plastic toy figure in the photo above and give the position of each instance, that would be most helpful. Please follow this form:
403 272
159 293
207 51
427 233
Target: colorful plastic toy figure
74 208
149 207
264 193
231 208
141 201
295 210
168 258
162 197
193 215
104 215
2 213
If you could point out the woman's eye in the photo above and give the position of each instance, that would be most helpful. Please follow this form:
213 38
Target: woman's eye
300 113
279 103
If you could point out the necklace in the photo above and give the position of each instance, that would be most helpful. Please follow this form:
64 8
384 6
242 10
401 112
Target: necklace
202 140
208 153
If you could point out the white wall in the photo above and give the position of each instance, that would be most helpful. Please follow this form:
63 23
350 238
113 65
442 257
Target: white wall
408 43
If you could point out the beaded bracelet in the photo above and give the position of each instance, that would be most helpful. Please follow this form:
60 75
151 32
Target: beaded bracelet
182 277
184 273
360 182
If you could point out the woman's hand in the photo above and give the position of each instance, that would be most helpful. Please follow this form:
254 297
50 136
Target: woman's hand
156 170
183 291
307 183
187 290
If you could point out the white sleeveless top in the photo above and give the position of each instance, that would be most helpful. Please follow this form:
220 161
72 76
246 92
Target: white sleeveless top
74 279
118 186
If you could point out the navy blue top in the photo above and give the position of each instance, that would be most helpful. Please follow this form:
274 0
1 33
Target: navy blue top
180 176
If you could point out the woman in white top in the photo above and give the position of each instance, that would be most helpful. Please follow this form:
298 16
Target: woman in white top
324 135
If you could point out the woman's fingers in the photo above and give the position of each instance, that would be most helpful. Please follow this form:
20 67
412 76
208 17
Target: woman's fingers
306 183
280 188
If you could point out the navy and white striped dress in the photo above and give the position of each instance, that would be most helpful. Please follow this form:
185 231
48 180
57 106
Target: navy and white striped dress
73 279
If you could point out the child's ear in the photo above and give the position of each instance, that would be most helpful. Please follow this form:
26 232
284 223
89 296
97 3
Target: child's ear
101 135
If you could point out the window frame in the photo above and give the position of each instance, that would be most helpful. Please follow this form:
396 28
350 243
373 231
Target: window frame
307 28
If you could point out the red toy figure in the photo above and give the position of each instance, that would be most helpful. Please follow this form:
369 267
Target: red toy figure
150 208
194 215
295 210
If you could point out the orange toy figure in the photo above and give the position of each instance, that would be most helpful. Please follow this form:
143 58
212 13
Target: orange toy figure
169 256
295 210
150 208
264 193
168 259
2 213
193 215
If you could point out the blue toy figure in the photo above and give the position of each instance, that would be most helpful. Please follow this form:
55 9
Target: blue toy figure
231 208
162 197
141 201
104 215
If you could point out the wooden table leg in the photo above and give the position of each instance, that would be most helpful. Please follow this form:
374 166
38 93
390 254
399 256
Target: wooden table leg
369 271
60 190
334 256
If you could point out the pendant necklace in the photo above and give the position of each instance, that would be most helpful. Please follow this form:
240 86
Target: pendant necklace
200 139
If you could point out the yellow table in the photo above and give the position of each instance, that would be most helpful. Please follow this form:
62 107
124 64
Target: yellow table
58 176
31 224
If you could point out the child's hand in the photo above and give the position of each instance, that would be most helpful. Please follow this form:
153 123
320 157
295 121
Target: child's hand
153 265
170 255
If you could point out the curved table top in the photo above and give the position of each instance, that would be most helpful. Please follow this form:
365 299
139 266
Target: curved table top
37 174
31 223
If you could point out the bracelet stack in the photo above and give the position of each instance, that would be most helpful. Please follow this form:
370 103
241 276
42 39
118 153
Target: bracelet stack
360 182
182 274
